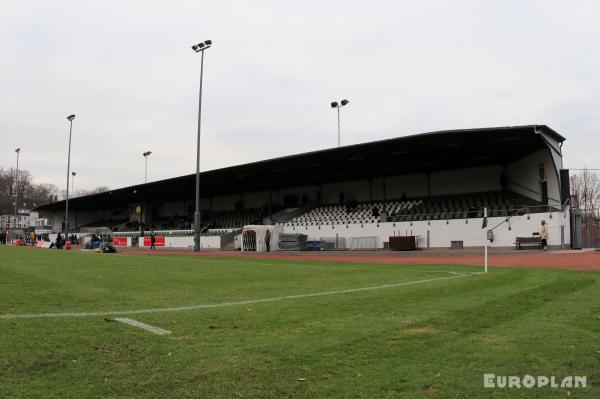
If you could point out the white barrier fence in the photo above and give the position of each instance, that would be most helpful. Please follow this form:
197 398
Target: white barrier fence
363 243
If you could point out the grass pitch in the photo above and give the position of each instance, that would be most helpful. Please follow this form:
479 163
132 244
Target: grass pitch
435 338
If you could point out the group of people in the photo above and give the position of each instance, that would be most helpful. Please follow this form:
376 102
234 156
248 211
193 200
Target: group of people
29 239
64 241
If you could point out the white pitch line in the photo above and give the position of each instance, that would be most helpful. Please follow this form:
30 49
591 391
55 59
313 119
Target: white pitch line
226 304
144 326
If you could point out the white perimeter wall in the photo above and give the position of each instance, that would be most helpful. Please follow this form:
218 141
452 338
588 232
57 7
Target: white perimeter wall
440 233
213 242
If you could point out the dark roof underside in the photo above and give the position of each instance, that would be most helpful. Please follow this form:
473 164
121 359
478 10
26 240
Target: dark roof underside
421 153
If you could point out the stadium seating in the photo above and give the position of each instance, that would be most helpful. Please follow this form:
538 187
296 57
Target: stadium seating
432 208
361 213
110 223
212 222
232 219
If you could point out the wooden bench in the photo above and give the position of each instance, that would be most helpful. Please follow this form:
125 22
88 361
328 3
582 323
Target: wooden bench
528 241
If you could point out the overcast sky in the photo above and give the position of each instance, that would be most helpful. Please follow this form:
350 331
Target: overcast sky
126 69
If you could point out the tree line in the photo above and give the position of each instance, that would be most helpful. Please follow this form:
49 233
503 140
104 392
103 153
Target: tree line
30 194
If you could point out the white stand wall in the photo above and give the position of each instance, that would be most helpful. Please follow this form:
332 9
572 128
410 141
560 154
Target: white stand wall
441 233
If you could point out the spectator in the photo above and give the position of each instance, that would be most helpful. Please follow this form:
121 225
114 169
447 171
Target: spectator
152 240
544 235
268 240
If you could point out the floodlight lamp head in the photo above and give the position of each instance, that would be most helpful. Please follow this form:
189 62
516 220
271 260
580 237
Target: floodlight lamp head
202 46
344 102
334 104
71 117
18 150
73 173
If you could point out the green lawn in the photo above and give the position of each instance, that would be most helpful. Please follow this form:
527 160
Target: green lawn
433 339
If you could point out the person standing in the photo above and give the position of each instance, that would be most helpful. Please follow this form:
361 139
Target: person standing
152 240
268 241
544 235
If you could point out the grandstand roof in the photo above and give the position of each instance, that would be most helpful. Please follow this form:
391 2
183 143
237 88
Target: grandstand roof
419 153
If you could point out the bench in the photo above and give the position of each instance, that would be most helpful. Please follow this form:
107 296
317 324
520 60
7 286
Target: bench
528 241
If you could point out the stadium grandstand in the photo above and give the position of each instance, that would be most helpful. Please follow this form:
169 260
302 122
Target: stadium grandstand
431 186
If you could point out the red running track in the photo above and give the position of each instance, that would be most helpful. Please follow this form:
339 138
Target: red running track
570 260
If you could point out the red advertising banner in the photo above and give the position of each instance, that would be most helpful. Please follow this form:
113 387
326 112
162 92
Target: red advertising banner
158 241
120 241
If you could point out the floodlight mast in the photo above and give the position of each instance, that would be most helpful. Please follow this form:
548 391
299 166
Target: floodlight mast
146 155
70 119
335 104
73 174
18 151
485 254
199 48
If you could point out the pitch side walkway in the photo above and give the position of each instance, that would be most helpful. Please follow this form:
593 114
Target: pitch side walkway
556 259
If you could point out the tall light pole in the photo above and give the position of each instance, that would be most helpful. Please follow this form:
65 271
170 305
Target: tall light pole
18 151
73 174
146 155
339 105
70 119
199 48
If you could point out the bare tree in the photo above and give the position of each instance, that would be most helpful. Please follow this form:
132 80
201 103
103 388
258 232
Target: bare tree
29 194
6 187
42 193
62 194
97 190
585 189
